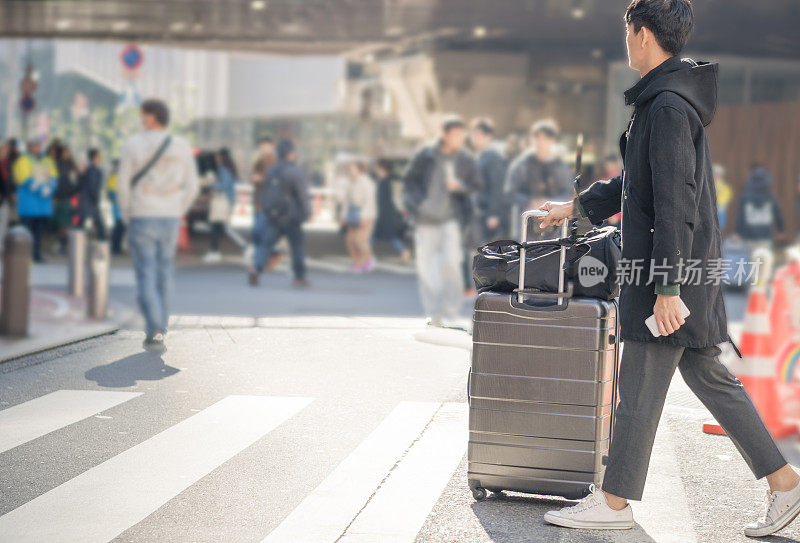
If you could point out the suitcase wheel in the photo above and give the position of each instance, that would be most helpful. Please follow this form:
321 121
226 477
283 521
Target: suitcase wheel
479 493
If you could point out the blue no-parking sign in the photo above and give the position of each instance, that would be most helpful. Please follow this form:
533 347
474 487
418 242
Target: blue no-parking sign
132 56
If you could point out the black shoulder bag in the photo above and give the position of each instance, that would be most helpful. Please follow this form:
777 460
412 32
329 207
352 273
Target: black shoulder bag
150 163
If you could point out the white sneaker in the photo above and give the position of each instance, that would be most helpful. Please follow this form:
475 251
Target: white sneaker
781 509
592 513
436 322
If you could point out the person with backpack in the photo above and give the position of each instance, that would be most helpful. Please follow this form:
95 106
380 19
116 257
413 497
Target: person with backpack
36 179
759 214
669 221
285 207
156 185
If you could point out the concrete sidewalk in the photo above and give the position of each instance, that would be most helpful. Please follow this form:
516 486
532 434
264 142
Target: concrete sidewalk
58 319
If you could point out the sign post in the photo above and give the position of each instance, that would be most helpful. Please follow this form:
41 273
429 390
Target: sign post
27 87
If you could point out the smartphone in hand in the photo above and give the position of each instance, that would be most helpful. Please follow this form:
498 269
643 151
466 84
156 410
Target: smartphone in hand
651 320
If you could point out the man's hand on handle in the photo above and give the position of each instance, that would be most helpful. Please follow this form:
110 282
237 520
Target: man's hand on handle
668 314
557 213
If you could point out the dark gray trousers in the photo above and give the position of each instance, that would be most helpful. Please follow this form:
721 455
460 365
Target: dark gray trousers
645 373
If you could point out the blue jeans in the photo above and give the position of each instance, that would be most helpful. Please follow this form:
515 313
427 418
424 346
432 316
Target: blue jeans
153 242
266 235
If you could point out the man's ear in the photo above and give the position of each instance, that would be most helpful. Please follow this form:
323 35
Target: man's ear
647 37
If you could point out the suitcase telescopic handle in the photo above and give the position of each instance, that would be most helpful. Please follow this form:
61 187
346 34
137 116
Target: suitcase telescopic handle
522 292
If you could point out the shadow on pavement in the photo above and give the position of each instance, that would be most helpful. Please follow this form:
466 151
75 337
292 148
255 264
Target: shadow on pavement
144 366
445 338
512 517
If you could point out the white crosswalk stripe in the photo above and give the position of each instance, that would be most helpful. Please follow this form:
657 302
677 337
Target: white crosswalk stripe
40 416
400 506
106 500
325 513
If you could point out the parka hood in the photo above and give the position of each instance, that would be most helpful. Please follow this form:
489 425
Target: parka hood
759 181
695 82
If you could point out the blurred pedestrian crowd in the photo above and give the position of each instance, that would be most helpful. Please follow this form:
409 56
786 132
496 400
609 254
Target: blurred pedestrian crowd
464 189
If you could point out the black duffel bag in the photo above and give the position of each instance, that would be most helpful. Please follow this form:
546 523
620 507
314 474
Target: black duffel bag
591 264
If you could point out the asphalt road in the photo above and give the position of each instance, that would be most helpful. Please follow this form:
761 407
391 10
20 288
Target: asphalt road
327 414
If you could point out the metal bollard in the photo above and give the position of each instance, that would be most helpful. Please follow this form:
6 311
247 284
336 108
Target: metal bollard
99 267
16 294
76 261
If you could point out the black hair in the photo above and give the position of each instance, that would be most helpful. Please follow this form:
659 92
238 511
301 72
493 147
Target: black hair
225 159
264 139
157 109
548 127
451 122
386 165
54 148
62 151
484 124
670 21
92 154
285 148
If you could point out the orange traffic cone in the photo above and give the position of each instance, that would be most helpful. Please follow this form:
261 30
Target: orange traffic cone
756 369
184 244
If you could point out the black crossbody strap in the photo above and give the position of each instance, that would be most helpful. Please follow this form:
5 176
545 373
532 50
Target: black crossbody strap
146 168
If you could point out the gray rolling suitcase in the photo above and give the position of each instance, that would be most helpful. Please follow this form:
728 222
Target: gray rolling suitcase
542 389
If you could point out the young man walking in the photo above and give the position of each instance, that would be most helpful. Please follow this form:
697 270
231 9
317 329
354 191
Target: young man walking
285 206
438 188
156 186
669 221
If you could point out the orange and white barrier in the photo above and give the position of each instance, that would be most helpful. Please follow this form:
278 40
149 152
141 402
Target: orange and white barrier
184 243
785 323
756 368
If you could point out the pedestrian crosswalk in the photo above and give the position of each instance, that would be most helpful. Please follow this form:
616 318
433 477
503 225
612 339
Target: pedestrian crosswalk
33 419
400 506
107 499
383 490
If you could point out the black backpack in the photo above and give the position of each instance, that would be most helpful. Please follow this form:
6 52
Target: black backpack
279 202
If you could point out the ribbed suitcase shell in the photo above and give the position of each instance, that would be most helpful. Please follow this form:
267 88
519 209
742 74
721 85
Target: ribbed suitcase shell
542 393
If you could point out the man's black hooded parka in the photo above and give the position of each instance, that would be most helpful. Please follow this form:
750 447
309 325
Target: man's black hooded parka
668 202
